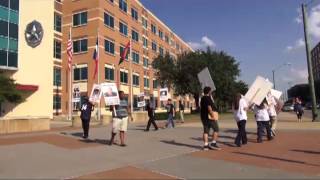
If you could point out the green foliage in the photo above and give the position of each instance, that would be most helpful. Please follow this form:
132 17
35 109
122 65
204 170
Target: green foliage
8 90
164 116
181 74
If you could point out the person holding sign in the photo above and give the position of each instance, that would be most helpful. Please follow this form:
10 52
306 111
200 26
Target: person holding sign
150 108
209 118
120 115
263 120
86 109
240 107
272 103
171 114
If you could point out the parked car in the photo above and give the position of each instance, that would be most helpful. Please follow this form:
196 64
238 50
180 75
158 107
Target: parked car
288 107
308 105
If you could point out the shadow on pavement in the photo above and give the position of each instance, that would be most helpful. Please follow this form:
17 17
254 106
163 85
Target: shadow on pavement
172 142
275 158
98 141
306 151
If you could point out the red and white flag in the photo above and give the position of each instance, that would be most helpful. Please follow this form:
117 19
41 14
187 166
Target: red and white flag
69 51
96 58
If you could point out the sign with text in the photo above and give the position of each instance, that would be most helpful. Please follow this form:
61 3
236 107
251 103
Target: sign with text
275 93
141 101
258 90
110 94
205 79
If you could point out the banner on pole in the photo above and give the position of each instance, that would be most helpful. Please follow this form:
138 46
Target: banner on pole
110 94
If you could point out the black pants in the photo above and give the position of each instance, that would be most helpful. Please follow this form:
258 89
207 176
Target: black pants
261 126
242 134
85 127
152 120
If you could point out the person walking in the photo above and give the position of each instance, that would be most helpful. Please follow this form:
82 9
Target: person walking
181 110
209 119
171 111
263 120
151 113
272 103
86 109
240 113
120 115
298 109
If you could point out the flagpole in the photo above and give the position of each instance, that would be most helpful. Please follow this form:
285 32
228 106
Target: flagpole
99 104
70 83
131 77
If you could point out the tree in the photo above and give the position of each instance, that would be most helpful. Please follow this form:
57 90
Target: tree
181 74
8 91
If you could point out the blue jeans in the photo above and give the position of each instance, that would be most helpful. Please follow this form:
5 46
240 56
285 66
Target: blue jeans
170 122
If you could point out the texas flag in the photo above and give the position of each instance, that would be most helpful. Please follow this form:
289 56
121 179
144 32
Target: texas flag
96 58
124 53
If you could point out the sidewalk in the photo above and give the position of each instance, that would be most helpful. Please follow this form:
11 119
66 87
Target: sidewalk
164 154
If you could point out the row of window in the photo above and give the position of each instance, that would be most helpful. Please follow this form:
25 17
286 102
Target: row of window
81 74
11 4
82 19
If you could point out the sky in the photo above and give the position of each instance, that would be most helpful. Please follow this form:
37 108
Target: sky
260 35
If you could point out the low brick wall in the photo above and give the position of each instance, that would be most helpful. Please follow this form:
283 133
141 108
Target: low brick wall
24 125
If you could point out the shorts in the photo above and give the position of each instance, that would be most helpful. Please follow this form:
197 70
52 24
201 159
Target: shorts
207 124
119 124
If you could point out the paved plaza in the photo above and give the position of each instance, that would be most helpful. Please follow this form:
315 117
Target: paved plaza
164 154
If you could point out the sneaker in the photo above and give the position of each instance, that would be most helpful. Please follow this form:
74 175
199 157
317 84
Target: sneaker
123 145
214 146
259 141
205 148
273 133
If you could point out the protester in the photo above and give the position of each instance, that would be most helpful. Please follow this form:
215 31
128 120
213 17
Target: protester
263 120
209 118
120 115
171 114
151 113
240 113
86 109
298 109
181 110
272 103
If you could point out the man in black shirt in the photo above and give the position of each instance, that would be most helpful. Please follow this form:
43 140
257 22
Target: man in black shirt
151 108
171 114
86 109
208 113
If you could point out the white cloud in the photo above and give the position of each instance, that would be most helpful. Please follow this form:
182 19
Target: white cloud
299 44
205 42
296 76
314 22
298 19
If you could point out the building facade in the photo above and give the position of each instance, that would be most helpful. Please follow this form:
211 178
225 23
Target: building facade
115 23
315 58
26 55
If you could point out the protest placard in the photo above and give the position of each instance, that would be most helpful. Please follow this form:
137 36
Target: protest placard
164 94
258 90
205 79
141 101
110 94
95 93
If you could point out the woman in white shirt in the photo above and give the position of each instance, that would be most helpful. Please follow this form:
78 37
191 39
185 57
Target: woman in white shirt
240 114
263 120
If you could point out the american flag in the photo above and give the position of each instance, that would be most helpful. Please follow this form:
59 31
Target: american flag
70 50
125 52
96 58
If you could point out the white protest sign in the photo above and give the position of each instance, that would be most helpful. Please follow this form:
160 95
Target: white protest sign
205 79
275 93
110 94
76 93
95 93
164 94
141 101
258 90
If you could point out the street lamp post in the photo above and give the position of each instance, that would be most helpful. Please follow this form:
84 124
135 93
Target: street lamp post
274 70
